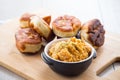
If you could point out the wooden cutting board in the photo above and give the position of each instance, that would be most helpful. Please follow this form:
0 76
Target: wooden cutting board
32 67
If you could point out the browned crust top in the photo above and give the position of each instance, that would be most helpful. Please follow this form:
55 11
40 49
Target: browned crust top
28 35
26 17
47 19
66 23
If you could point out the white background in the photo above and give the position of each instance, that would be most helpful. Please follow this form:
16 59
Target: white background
107 11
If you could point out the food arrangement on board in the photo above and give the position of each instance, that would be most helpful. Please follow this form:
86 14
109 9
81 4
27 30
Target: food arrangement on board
78 47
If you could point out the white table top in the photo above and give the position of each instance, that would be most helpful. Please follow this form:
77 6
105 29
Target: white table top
107 11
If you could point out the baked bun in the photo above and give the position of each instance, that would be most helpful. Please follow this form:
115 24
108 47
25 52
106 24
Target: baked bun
66 26
28 41
93 32
25 20
40 26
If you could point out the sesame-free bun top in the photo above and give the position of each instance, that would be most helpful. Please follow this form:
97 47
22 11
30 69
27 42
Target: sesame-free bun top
66 26
28 41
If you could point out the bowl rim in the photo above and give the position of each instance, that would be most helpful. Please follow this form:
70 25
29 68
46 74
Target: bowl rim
63 39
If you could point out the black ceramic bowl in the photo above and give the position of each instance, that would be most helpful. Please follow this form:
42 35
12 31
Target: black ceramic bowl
66 68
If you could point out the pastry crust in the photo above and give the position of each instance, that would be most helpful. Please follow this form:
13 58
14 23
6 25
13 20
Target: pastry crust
25 20
93 32
28 41
47 19
66 26
40 26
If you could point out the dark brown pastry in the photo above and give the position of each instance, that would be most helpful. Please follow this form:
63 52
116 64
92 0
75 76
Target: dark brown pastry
93 32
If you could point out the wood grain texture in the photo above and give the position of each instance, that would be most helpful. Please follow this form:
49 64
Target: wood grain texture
31 67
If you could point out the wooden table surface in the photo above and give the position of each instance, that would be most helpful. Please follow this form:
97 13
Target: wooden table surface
106 10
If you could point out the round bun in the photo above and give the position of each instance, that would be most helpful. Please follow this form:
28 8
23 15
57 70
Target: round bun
28 41
93 32
42 27
66 26
25 20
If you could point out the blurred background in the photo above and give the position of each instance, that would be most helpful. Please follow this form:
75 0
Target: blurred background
107 11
